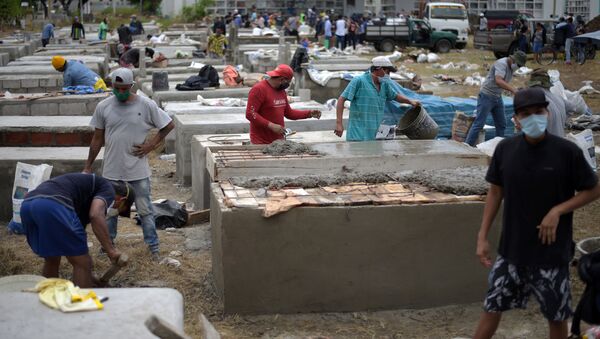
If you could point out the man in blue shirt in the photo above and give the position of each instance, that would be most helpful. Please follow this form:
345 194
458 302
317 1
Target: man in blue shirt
368 94
327 32
570 33
55 215
76 73
47 34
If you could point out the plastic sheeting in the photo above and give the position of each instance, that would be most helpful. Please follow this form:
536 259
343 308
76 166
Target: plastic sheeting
442 110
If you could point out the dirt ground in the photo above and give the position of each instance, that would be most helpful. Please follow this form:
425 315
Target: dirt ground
193 278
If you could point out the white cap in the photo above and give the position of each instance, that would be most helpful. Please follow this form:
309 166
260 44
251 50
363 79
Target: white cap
481 14
122 76
383 61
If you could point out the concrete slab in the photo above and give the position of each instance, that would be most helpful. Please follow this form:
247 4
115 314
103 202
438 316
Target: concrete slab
14 51
200 143
187 125
196 108
174 95
185 69
98 62
40 105
71 51
63 159
39 69
388 156
125 311
351 258
31 83
147 86
4 59
40 131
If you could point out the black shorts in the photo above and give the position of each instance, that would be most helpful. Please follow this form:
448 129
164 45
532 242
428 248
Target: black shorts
510 287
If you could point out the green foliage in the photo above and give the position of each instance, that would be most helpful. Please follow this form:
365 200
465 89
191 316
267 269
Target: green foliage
196 11
150 6
121 11
9 10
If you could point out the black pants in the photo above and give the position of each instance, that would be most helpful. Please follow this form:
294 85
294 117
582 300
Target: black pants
351 40
45 42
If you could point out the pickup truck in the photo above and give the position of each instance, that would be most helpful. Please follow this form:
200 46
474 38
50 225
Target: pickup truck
412 32
503 42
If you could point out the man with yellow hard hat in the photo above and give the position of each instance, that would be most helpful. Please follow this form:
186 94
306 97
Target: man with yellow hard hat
75 73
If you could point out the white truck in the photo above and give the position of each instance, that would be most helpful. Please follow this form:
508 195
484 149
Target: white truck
448 17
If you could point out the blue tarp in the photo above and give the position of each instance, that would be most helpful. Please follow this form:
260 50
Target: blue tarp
81 90
442 110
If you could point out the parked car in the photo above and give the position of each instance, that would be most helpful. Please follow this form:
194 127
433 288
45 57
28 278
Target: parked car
412 32
504 42
503 19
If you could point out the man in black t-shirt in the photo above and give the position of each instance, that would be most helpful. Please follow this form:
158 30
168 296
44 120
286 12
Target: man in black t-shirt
537 175
54 216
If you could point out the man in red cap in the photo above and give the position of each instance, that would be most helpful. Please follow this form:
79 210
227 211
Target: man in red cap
268 105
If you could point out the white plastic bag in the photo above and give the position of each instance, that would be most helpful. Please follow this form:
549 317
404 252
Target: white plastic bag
585 141
422 58
386 132
432 57
27 178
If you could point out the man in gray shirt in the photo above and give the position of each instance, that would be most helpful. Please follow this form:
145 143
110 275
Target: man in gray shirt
490 95
121 124
557 106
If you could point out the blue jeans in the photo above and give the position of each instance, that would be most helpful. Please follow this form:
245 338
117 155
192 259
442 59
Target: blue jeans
340 40
568 44
485 105
143 203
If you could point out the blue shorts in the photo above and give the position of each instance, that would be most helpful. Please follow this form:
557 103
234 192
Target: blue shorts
53 229
511 286
537 47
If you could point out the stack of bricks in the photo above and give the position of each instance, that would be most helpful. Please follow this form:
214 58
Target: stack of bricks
28 84
45 139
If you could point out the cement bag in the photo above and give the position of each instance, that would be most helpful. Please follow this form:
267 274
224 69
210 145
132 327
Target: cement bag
585 141
421 58
432 57
461 125
27 178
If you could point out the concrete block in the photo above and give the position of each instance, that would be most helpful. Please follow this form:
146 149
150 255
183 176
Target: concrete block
44 109
73 108
8 84
48 82
30 83
4 59
126 311
344 259
15 109
63 159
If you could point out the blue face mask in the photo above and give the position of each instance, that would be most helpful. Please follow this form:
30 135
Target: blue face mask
534 125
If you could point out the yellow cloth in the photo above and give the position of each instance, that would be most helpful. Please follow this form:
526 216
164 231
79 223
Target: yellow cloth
100 85
58 62
63 295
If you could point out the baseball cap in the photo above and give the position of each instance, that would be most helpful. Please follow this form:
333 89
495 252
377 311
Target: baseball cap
282 70
384 62
58 62
529 97
520 58
125 189
122 76
539 77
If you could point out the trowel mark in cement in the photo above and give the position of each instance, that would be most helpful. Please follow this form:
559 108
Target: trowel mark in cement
286 147
460 181
312 181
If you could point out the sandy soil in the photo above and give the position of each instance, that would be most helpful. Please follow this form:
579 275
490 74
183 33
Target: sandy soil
193 278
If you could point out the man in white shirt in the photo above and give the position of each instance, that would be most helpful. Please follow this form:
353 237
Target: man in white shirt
340 33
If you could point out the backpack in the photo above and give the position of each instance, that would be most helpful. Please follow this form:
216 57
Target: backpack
231 76
207 77
588 308
210 73
193 83
300 57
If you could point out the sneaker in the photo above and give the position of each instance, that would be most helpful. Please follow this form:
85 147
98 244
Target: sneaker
567 62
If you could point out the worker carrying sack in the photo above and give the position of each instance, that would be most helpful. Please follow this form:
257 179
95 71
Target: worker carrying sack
207 77
588 308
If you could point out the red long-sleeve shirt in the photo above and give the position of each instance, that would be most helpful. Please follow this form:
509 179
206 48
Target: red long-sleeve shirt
266 104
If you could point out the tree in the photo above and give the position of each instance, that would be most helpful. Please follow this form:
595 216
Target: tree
196 11
10 10
66 4
150 6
